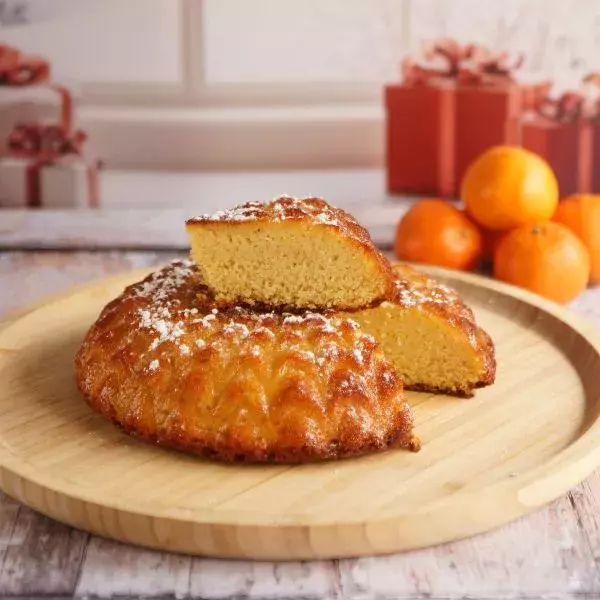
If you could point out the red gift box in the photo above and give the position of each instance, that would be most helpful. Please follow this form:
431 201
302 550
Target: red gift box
595 158
439 121
567 147
485 117
420 138
561 132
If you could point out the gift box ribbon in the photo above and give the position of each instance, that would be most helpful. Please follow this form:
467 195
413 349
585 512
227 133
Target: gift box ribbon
462 63
593 79
18 69
566 108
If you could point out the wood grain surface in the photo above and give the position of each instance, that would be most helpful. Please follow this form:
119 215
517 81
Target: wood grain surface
520 443
551 554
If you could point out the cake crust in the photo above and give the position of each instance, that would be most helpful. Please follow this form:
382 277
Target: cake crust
164 364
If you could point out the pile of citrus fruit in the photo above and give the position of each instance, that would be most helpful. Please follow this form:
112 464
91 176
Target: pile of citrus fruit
512 218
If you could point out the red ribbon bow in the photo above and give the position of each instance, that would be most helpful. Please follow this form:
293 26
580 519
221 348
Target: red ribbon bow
594 79
465 63
572 105
566 108
46 143
17 69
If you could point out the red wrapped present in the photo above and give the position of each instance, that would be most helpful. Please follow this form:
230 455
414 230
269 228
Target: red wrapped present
592 82
561 133
595 158
485 117
420 149
443 116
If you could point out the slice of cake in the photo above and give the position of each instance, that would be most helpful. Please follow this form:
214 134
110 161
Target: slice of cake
431 337
295 253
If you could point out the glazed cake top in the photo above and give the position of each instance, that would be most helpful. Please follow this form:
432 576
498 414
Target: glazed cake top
174 302
237 384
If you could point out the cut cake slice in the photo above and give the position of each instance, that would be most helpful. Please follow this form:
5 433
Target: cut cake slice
291 252
430 336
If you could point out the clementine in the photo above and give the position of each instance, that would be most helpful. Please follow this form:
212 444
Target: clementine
581 214
435 232
546 258
507 187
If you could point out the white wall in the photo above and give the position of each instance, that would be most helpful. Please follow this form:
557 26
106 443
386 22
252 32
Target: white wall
192 84
118 41
291 41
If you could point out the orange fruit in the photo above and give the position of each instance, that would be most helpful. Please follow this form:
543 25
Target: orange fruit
546 258
507 187
435 232
581 214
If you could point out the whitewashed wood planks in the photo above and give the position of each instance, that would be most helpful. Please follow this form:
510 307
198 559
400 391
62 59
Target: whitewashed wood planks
551 554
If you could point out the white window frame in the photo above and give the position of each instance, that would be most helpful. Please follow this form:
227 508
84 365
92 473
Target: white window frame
252 126
195 92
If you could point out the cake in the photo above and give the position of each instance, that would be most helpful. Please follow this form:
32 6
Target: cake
291 253
430 335
165 364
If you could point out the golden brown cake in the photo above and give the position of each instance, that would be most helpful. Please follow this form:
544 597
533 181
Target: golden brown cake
431 337
237 385
291 252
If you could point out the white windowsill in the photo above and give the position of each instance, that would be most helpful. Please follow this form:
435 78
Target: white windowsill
317 137
327 113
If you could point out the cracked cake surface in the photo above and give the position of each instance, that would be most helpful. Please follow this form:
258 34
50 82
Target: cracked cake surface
164 363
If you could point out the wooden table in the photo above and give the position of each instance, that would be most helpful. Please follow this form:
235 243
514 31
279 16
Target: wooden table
554 553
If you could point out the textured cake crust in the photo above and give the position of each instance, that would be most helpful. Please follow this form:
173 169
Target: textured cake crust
414 289
311 211
236 385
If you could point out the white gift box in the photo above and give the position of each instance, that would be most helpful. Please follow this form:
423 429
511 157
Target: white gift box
65 184
68 185
14 187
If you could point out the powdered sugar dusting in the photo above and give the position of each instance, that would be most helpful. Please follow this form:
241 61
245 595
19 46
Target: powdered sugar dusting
306 355
280 209
163 314
236 329
160 283
417 293
166 312
168 331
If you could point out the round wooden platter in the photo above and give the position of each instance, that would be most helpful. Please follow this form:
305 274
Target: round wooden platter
485 460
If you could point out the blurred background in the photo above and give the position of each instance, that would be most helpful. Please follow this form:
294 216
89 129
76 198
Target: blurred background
285 96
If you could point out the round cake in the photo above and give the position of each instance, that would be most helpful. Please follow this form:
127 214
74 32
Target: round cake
166 363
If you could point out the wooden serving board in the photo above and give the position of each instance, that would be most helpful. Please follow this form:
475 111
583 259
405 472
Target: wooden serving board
485 461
